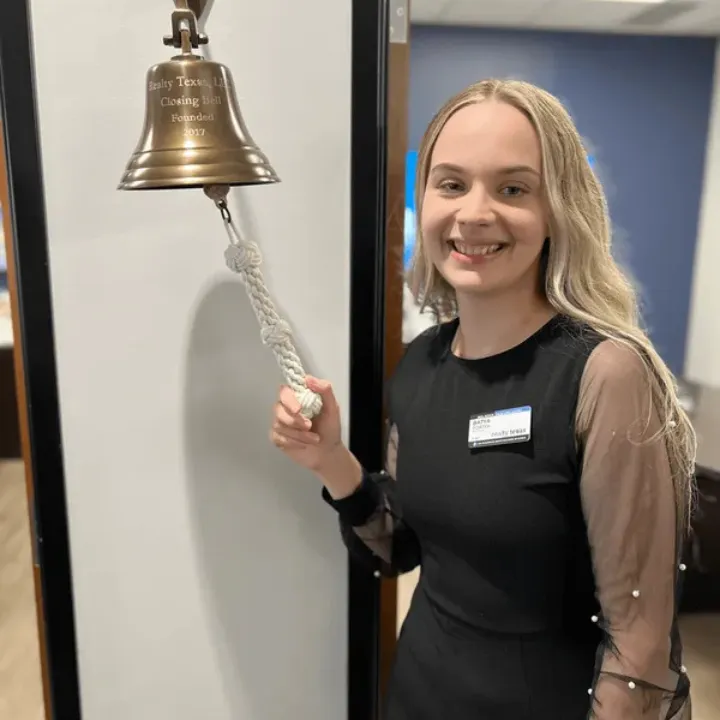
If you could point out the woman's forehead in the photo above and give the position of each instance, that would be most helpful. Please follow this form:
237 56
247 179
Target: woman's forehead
488 133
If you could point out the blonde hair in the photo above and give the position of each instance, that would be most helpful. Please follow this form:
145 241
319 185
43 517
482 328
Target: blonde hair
582 280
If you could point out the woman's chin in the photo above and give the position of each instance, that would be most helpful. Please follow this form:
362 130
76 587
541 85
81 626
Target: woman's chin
470 281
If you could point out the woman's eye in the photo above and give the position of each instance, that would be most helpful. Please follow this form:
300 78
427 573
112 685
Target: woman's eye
450 186
513 191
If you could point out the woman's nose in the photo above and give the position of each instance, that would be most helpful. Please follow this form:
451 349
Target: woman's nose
476 208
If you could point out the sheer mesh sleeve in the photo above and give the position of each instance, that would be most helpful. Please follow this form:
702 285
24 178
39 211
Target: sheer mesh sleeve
629 505
371 523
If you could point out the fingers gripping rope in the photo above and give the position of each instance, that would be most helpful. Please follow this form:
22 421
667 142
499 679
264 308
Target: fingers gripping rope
243 257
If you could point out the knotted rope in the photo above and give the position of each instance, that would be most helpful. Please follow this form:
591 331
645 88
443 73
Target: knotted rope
243 257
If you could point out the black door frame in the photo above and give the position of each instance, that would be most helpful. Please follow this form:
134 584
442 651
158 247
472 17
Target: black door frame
30 243
29 238
370 39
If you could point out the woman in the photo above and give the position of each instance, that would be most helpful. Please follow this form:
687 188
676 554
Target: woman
543 464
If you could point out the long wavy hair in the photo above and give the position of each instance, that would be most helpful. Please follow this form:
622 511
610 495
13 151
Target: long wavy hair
582 280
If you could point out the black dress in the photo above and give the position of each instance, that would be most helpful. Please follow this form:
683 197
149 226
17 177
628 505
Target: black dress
549 563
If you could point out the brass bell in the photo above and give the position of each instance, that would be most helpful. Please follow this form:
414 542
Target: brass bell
194 134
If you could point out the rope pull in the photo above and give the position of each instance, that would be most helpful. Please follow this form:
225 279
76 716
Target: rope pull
244 258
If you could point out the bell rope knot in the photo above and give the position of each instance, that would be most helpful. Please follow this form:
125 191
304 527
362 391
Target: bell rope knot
310 403
241 258
276 334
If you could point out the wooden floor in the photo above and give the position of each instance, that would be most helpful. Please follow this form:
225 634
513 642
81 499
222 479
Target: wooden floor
21 695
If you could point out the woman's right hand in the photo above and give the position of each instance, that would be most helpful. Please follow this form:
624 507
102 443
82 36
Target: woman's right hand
310 444
316 445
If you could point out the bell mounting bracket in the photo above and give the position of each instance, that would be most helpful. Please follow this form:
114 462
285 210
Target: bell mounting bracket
185 17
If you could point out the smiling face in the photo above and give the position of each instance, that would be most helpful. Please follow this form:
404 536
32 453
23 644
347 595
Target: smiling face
483 219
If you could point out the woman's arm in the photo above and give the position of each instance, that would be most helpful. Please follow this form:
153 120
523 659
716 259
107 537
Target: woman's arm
370 521
630 510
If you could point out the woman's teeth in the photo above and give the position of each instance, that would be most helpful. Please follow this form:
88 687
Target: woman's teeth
476 249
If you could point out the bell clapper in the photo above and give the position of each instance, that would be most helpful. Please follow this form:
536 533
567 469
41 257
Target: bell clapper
243 257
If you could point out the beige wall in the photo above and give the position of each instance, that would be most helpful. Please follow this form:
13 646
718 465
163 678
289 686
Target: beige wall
209 578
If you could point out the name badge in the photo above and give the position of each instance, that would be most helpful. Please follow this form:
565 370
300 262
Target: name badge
500 427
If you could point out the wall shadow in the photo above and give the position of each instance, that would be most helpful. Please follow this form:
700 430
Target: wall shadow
266 544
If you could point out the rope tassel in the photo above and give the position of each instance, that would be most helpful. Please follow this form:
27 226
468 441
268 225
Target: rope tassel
243 257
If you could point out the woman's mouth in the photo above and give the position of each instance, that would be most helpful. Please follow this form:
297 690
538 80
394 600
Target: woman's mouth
470 253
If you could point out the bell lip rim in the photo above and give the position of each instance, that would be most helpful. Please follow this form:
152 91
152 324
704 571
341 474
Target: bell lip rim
194 185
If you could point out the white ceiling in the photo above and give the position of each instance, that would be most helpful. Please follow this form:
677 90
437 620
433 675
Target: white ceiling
663 17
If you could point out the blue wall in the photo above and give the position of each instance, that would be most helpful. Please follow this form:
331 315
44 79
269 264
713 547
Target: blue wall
641 103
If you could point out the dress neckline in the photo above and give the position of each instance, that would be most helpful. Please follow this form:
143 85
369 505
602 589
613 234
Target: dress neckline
544 332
